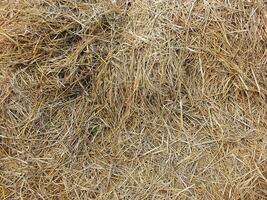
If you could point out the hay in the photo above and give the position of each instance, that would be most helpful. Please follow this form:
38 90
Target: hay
137 99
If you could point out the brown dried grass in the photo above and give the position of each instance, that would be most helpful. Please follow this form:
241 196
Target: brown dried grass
140 99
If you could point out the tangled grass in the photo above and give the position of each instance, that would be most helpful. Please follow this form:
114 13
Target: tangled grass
137 99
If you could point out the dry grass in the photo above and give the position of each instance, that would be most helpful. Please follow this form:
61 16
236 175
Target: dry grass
137 99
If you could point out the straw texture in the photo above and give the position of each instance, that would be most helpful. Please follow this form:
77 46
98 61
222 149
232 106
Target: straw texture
134 100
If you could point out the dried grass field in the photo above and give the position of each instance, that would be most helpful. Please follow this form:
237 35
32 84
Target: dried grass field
133 99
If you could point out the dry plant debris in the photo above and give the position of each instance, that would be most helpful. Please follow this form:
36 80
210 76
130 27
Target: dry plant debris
137 99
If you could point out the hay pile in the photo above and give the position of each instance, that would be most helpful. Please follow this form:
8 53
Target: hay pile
137 99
